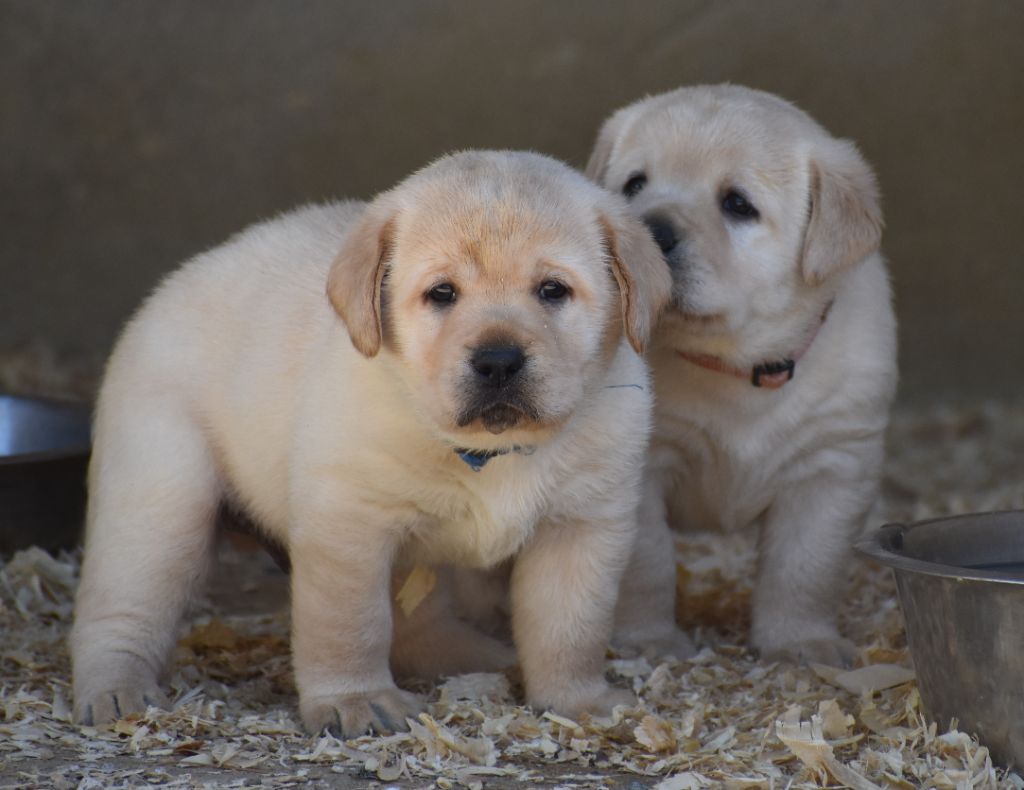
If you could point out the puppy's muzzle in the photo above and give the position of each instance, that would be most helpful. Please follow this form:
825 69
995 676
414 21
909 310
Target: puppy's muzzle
671 240
498 391
666 235
496 365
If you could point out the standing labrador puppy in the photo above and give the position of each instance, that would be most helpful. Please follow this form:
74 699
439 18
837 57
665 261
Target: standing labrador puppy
775 365
447 375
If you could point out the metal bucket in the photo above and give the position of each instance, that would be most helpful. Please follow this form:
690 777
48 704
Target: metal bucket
961 586
44 453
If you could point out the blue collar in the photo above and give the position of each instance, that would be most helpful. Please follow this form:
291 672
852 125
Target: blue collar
477 459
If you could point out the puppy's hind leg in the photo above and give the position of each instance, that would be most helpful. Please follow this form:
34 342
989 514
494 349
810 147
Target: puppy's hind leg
150 525
432 641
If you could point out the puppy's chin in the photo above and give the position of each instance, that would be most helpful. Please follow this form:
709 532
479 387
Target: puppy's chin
693 320
497 417
501 426
500 417
695 332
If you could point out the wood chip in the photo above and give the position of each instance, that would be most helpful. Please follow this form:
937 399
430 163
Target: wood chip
416 588
711 721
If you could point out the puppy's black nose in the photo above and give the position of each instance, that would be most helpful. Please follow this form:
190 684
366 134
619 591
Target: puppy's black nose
497 364
663 232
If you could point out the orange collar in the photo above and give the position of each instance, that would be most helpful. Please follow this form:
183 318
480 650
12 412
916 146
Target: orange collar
769 375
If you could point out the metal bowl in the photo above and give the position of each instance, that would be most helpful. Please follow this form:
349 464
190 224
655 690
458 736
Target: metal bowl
961 586
44 452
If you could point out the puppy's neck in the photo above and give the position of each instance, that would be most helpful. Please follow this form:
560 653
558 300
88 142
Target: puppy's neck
772 372
477 459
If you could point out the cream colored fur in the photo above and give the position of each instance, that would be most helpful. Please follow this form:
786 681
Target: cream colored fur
237 380
801 463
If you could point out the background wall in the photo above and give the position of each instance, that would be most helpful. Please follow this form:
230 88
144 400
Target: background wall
134 133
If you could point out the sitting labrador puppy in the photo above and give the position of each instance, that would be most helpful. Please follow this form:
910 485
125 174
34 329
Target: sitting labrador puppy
468 390
775 366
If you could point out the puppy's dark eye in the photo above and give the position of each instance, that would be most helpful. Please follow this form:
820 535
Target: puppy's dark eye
636 182
552 291
442 294
736 205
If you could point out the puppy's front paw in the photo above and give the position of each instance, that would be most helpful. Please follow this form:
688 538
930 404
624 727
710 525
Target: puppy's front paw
100 708
351 715
835 652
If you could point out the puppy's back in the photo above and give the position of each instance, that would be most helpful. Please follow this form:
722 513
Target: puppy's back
263 286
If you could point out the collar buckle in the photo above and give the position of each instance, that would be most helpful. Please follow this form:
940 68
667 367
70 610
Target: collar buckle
773 375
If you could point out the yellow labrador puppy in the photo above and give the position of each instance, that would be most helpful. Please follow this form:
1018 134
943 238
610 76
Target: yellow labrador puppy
774 367
450 374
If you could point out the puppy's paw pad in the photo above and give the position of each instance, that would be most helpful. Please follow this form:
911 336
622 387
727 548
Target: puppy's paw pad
837 652
351 715
106 707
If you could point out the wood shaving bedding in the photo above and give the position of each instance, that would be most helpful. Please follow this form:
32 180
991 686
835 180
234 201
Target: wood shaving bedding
721 719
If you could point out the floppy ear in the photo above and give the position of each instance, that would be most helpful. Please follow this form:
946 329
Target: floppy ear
845 223
607 137
645 283
354 282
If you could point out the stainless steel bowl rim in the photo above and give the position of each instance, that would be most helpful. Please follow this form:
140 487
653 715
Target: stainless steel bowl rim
71 450
44 455
879 547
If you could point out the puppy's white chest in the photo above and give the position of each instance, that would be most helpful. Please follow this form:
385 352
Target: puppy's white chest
480 521
712 486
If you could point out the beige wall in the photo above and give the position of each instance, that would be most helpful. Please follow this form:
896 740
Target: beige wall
134 133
